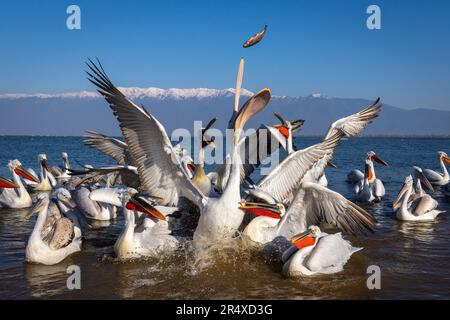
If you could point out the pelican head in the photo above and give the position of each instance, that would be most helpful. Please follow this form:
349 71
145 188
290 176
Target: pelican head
264 209
207 140
407 185
138 202
43 161
444 157
16 166
40 205
371 156
420 177
285 127
307 238
63 195
65 156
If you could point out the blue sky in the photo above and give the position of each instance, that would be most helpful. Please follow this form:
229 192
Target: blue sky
310 46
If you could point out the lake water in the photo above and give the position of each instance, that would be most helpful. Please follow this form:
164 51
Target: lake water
414 257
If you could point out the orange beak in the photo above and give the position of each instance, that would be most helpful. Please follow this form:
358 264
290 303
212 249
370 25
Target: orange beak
5 183
446 159
143 206
25 174
261 209
283 130
380 161
303 240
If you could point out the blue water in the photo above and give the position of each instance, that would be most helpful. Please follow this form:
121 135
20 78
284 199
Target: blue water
414 258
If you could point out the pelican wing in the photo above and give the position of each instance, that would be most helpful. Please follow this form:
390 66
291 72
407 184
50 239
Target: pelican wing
149 145
116 149
355 124
62 235
287 176
432 176
423 205
314 204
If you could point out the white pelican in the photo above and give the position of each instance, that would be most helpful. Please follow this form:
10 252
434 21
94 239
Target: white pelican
312 204
418 191
58 244
349 126
313 252
200 180
61 172
160 170
47 181
18 196
421 209
438 179
144 235
368 188
92 209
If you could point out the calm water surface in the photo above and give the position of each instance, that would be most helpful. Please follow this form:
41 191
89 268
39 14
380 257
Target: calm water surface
414 258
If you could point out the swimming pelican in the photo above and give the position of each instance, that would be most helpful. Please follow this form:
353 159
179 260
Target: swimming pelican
255 38
146 232
368 188
314 252
312 204
438 179
200 180
349 126
56 247
418 191
421 209
16 197
61 172
159 168
47 181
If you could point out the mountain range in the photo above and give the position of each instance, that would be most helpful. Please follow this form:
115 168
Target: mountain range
73 113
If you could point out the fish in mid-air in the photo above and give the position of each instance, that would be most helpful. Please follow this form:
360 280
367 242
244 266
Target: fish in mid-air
255 38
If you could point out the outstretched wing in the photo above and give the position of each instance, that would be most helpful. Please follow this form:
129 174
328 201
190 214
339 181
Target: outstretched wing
282 181
148 143
116 149
314 204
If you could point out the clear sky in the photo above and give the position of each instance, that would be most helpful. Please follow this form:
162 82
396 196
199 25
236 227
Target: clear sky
310 46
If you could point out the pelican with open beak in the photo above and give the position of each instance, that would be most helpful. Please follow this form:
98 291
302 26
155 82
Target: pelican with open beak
285 129
422 208
14 195
146 232
47 181
314 252
368 188
439 179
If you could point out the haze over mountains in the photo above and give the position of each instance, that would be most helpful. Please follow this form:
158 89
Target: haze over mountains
73 113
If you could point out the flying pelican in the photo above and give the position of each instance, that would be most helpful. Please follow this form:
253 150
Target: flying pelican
368 188
314 252
438 179
421 209
312 204
146 232
159 168
349 126
418 191
18 196
59 245
47 181
200 180
255 38
61 172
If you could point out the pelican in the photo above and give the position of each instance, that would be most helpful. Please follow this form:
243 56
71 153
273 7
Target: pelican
200 180
47 181
61 172
418 191
349 126
92 209
144 235
438 179
61 243
368 188
314 252
255 38
421 209
16 196
312 203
